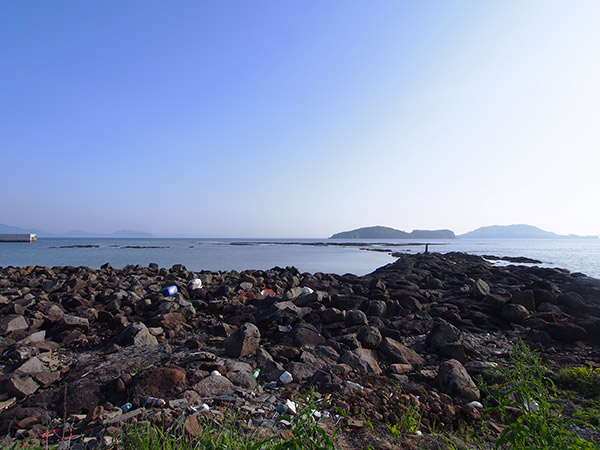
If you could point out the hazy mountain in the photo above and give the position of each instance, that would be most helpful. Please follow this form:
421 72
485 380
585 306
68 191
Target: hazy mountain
8 229
517 232
380 232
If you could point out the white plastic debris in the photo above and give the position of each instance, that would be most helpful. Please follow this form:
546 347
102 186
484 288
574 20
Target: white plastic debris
355 386
533 406
204 408
306 291
286 377
291 406
285 328
215 373
419 433
195 283
476 404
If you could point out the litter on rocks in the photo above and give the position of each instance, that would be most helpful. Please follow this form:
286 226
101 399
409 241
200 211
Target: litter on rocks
195 283
286 377
126 407
155 402
169 290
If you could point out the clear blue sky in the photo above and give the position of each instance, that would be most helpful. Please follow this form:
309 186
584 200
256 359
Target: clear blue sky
299 119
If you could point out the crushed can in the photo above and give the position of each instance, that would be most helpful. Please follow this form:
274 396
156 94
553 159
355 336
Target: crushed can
155 402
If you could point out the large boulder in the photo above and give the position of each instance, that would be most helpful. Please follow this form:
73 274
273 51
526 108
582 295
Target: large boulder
244 342
453 379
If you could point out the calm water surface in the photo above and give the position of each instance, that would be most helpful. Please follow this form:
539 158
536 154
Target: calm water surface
219 254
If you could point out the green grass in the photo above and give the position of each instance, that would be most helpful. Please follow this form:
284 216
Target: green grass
228 435
583 380
526 387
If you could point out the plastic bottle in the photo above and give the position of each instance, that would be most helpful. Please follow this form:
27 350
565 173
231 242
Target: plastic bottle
169 290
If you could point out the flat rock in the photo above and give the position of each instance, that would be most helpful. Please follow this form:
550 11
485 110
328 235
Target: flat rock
214 386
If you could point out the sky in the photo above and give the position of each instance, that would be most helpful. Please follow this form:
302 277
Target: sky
299 119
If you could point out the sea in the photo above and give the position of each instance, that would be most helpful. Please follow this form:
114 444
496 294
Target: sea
358 257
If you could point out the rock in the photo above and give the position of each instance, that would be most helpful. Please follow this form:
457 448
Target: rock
46 378
242 379
361 360
401 369
480 289
454 379
332 315
137 334
21 386
572 301
305 335
31 366
565 331
11 323
214 386
401 354
442 335
192 427
356 317
160 382
244 342
514 313
70 321
369 337
270 369
525 298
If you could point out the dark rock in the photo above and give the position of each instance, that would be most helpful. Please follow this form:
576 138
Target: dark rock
525 298
398 353
369 337
356 317
305 335
565 331
454 379
245 341
514 313
573 302
137 334
442 335
361 360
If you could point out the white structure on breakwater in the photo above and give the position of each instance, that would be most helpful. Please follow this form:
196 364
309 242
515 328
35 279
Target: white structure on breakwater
18 237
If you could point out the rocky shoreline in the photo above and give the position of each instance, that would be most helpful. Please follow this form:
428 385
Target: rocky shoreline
82 349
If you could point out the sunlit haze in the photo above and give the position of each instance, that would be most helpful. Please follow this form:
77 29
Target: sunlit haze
299 119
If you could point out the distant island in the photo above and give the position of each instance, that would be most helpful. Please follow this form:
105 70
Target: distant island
489 232
8 229
380 232
517 232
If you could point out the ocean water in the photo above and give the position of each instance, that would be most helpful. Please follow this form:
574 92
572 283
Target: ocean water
308 255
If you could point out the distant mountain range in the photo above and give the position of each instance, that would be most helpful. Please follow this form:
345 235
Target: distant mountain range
8 229
380 232
517 232
490 232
